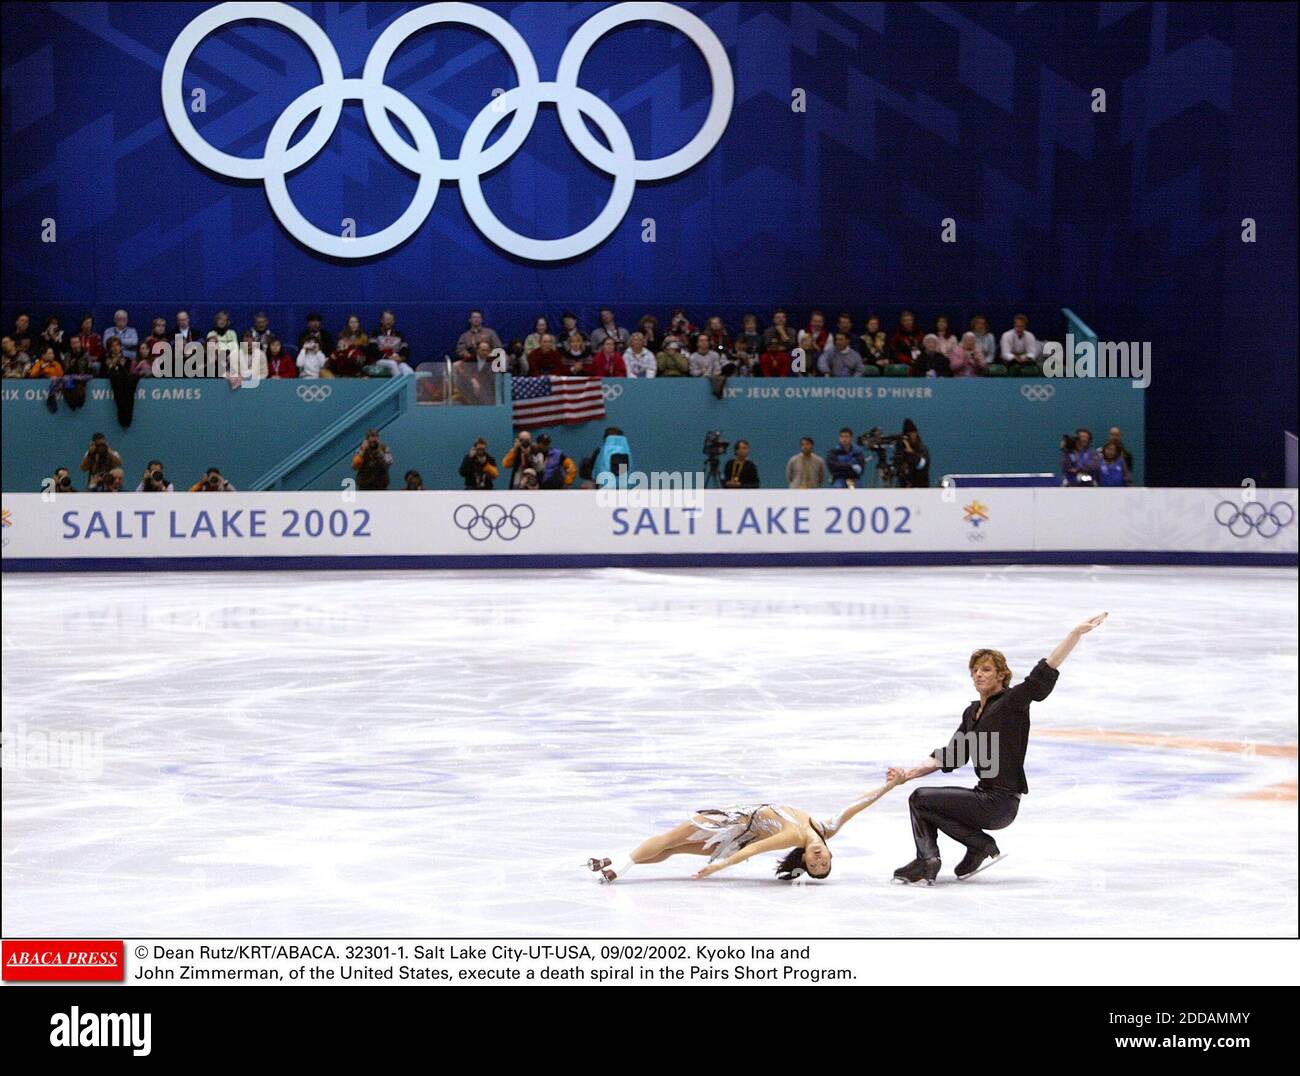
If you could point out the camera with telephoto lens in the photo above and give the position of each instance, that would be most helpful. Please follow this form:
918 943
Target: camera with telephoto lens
63 483
1069 443
877 443
214 481
714 445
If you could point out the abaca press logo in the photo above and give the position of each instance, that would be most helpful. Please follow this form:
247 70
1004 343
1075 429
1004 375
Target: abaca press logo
425 159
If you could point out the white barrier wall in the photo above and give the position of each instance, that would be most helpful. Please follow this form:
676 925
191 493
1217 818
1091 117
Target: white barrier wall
263 530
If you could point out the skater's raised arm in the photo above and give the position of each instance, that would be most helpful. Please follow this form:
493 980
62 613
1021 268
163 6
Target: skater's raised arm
860 805
896 775
1067 644
773 843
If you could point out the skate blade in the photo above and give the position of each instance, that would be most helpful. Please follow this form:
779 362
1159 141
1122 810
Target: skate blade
919 881
982 867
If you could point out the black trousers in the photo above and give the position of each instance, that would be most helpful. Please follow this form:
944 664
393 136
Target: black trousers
962 813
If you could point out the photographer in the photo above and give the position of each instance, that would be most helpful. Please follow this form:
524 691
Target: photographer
110 481
1079 460
523 456
60 482
478 468
413 481
557 471
154 480
99 459
741 472
372 462
912 458
846 462
212 482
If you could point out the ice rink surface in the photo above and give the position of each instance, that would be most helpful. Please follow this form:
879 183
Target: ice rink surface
437 754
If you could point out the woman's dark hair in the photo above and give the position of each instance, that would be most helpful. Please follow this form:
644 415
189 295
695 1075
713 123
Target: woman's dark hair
792 864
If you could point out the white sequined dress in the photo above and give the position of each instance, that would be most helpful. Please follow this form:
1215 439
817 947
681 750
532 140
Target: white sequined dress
724 832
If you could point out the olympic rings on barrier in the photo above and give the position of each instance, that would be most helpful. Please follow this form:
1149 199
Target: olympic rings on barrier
476 159
314 393
1253 516
1038 393
493 519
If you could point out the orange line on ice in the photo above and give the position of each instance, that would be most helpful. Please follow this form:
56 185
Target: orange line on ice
1177 743
1287 791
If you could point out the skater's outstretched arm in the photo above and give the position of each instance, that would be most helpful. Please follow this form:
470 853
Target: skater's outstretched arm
860 805
896 775
1067 644
768 844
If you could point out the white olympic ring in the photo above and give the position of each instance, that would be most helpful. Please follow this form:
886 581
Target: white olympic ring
1038 393
314 393
611 392
493 519
1264 521
425 159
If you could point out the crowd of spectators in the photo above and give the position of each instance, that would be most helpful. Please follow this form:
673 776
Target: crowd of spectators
536 463
677 347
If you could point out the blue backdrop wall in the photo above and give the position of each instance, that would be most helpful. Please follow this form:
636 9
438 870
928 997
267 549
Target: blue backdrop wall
914 113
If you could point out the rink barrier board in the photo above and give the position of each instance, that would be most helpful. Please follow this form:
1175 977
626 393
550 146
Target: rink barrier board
710 528
721 561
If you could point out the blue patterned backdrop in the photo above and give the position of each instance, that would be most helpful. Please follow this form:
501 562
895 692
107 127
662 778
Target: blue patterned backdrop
913 113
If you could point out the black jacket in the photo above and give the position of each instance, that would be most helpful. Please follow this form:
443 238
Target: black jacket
999 760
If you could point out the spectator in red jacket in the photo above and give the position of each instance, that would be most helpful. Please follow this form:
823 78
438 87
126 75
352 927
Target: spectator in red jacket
279 363
91 342
545 360
608 362
905 344
775 360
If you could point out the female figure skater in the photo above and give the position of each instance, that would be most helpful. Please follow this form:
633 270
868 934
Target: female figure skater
732 835
994 733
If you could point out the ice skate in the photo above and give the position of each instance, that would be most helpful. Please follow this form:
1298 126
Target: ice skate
977 860
919 870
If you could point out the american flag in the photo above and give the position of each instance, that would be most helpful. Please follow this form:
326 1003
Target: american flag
548 401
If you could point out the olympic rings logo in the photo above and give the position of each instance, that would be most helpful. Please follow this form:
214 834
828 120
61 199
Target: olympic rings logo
425 160
314 393
1038 393
1253 516
611 392
493 519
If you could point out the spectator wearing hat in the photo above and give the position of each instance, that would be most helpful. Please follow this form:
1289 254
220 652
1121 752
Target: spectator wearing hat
672 361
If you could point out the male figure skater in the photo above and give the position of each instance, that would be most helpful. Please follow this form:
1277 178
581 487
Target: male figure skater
994 733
